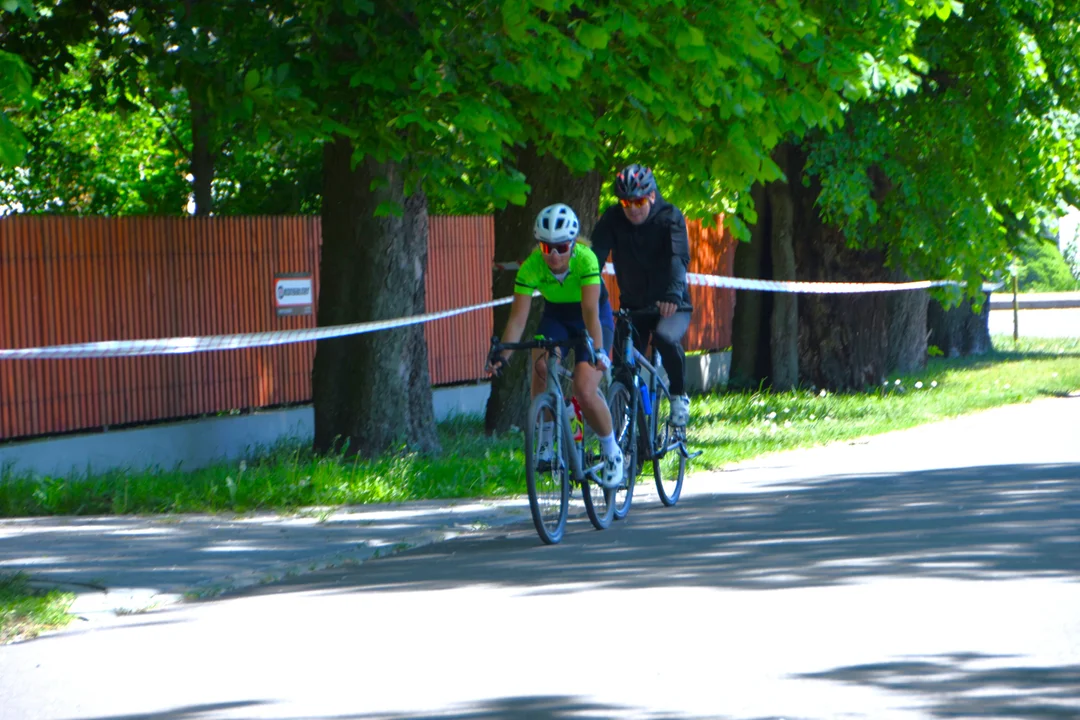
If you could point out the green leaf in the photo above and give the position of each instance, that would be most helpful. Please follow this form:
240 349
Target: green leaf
251 80
389 208
738 228
592 37
689 36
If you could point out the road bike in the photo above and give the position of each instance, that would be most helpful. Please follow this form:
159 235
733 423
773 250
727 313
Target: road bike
639 390
572 456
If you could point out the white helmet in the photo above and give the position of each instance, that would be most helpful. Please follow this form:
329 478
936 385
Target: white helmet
556 224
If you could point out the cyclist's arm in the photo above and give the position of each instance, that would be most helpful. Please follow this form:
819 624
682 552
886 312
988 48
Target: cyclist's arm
590 311
680 259
519 316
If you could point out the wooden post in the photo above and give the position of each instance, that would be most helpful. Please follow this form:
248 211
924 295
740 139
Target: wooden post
1016 303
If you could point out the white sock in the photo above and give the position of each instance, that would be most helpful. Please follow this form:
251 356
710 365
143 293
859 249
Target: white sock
547 429
608 444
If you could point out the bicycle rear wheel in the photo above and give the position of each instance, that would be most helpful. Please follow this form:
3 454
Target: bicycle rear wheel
547 477
669 466
620 402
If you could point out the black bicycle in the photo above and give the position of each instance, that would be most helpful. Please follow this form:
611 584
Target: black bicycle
568 457
639 390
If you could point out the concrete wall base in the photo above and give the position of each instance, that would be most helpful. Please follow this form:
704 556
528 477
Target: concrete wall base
707 372
193 444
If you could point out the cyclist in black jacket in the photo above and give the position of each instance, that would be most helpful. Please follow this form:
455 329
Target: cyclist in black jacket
646 236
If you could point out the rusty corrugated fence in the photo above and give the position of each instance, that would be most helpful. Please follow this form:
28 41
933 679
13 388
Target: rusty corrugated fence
70 280
76 279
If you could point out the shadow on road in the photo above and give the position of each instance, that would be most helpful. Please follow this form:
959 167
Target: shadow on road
552 707
957 687
975 523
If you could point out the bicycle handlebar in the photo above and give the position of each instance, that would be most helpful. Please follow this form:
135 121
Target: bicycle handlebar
645 312
542 343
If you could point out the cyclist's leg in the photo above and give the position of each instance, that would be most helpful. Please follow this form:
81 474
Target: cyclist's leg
551 326
593 406
586 377
538 377
667 337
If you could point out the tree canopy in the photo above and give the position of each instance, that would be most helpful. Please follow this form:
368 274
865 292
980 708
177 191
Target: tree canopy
15 91
951 175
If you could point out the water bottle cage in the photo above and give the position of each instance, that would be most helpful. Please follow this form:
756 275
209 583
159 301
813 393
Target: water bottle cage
577 425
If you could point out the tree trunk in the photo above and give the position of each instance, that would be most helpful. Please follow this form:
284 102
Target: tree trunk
784 337
749 339
202 158
907 328
551 182
371 392
959 332
843 339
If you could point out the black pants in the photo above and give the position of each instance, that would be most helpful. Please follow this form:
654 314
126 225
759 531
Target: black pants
667 334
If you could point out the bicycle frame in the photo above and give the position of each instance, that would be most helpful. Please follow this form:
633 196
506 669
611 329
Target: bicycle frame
645 394
555 373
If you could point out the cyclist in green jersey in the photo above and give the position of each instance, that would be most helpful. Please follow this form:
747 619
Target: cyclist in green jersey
567 275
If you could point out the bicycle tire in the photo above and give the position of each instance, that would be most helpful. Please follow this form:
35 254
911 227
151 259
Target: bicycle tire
599 503
669 467
620 404
549 490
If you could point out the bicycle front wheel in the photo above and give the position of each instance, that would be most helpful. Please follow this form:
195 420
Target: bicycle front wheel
669 465
621 407
547 475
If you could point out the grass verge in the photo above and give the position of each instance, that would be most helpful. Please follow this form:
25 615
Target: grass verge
25 612
728 426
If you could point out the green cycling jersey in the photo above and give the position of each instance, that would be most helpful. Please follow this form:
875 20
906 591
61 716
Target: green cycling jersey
534 274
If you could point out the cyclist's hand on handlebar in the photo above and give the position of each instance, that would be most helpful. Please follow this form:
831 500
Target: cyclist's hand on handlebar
495 364
603 362
667 309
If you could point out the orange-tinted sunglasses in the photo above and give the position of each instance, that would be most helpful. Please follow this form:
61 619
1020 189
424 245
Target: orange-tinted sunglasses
552 249
637 202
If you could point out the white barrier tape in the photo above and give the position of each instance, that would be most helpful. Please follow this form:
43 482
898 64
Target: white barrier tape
791 286
181 345
817 288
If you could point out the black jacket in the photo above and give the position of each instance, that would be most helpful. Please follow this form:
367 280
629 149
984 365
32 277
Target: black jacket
650 259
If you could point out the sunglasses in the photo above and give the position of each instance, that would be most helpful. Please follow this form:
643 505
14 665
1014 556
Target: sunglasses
637 202
551 249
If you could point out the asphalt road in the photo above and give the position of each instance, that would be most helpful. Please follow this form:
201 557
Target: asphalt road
931 573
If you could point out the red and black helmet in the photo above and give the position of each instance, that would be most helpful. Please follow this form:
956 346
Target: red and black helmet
633 182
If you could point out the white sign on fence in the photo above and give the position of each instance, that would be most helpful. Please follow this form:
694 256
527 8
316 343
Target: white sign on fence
294 293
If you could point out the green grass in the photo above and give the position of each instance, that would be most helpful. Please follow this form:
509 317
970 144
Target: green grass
728 426
26 613
286 477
